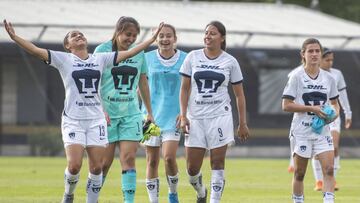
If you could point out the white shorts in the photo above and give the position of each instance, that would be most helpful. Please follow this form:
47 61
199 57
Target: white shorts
335 125
210 133
155 141
90 132
310 147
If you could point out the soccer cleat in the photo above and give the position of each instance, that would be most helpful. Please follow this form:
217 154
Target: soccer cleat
150 129
68 198
336 188
173 198
291 169
202 199
318 185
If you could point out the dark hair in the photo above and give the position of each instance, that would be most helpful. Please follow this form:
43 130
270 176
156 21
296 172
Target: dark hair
326 52
221 28
307 42
122 24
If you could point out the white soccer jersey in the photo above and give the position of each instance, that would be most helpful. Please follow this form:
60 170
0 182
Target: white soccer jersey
341 86
81 80
307 91
209 95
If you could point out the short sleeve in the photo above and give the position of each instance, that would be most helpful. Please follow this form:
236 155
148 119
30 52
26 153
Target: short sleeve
185 69
290 88
236 76
334 93
57 58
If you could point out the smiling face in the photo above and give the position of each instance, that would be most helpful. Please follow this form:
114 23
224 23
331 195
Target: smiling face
213 38
166 39
312 54
127 37
75 40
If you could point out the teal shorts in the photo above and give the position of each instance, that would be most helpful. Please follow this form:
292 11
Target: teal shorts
128 128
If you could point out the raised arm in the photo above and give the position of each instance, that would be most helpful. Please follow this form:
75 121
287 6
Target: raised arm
132 52
26 45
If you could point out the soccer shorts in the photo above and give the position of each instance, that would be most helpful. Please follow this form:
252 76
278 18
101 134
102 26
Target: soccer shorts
155 141
310 147
91 132
335 125
210 133
127 128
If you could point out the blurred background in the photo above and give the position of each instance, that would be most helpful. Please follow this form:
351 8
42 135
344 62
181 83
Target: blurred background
265 36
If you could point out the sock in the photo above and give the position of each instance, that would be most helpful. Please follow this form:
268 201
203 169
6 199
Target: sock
291 163
317 170
328 197
336 165
196 182
173 183
128 182
217 185
152 187
70 181
93 188
298 198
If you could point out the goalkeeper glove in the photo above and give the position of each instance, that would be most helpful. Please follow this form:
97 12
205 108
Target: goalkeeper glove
150 129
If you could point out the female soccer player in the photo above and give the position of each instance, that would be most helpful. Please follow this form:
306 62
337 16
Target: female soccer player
206 114
335 127
306 92
83 124
119 96
164 81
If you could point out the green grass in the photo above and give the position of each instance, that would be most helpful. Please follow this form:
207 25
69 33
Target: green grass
29 179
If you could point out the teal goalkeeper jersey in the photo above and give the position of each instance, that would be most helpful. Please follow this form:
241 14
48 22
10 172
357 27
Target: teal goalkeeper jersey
164 84
119 84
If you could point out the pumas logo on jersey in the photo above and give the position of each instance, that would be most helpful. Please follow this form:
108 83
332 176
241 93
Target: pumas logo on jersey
315 87
87 81
87 65
124 78
208 82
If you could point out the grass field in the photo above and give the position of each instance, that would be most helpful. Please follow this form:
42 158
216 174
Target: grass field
40 180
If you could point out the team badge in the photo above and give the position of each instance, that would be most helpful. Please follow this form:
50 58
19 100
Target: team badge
303 148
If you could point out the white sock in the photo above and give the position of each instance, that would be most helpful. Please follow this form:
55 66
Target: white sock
93 188
317 170
70 181
298 198
217 185
152 187
196 182
173 183
328 197
336 165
